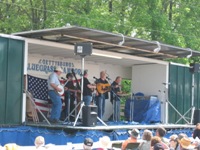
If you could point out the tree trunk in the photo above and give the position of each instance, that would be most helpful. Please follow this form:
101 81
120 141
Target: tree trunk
110 5
170 10
44 14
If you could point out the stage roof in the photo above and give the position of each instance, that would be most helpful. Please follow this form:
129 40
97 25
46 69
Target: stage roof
110 42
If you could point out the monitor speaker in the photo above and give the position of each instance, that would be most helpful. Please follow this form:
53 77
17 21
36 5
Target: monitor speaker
196 118
89 115
195 67
83 49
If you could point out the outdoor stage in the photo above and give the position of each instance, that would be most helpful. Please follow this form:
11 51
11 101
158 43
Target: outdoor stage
60 134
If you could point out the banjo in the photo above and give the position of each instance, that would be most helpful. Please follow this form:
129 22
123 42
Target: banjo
62 88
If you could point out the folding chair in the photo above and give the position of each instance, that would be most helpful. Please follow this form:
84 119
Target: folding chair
34 109
132 146
117 145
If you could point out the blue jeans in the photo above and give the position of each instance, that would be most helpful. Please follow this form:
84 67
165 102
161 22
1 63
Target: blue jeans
56 105
101 105
87 100
116 104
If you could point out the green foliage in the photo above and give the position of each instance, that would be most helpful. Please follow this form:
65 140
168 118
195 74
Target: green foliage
171 22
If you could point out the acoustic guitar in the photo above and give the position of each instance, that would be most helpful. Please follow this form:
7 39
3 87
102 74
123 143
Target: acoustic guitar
103 87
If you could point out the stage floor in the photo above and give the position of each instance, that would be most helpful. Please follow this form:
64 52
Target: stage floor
109 126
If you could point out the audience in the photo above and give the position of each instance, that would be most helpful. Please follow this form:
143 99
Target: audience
11 146
173 142
158 142
180 136
87 145
196 132
158 146
105 143
133 138
155 140
39 143
160 132
146 143
185 144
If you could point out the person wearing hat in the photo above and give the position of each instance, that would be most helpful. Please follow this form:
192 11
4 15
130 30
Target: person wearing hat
87 145
133 138
105 143
53 89
87 89
185 144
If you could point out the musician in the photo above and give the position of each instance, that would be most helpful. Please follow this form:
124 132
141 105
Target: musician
87 89
70 94
53 88
100 98
115 97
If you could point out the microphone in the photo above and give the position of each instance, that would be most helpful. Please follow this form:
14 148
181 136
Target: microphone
95 78
108 78
63 78
166 83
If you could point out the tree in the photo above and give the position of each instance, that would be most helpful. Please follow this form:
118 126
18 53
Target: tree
174 22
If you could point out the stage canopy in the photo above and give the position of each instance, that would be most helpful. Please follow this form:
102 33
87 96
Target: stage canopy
110 42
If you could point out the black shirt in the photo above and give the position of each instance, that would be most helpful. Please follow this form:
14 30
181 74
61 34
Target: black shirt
196 133
70 85
86 91
115 90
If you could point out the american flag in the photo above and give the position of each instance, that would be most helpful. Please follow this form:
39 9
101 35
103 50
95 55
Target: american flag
39 90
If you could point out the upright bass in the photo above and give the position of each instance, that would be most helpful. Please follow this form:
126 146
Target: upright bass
78 87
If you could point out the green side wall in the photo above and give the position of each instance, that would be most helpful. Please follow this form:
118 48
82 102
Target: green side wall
180 92
11 80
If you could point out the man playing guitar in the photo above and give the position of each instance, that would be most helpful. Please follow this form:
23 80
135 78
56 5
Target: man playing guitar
53 89
101 96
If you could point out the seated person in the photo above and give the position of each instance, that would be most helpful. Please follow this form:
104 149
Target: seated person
105 143
146 144
39 143
185 144
155 140
158 146
196 132
133 138
173 142
87 145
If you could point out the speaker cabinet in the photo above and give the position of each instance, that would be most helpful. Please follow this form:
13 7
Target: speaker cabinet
196 118
195 67
89 116
83 49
